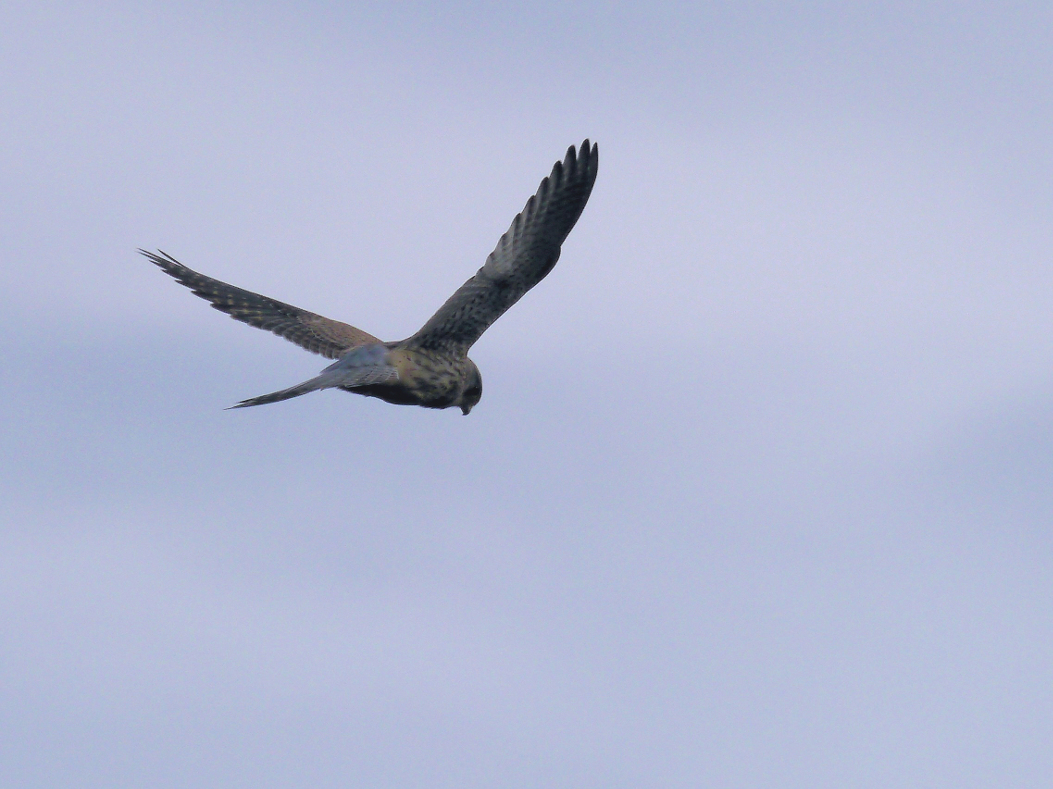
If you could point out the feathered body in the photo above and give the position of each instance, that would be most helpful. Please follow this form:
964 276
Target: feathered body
431 368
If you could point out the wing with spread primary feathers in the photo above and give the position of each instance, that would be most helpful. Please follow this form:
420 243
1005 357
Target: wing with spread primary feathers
524 255
317 334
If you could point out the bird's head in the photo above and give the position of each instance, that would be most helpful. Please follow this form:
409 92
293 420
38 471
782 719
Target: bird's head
473 389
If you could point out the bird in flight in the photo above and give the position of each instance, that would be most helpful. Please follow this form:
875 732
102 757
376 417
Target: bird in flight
431 368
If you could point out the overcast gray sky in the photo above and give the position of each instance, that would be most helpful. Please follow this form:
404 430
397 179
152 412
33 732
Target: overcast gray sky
760 489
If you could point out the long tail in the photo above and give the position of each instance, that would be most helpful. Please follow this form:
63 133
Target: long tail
362 366
322 381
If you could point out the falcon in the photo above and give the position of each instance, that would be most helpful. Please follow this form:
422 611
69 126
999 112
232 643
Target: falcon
431 368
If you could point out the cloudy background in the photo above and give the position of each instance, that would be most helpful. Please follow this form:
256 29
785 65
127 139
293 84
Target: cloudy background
760 491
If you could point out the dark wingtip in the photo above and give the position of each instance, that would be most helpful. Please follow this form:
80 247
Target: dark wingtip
161 259
585 156
590 152
248 403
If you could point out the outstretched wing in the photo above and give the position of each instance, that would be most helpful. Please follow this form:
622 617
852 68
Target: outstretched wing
524 255
317 334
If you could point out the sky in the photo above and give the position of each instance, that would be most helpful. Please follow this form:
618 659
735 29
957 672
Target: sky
760 489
